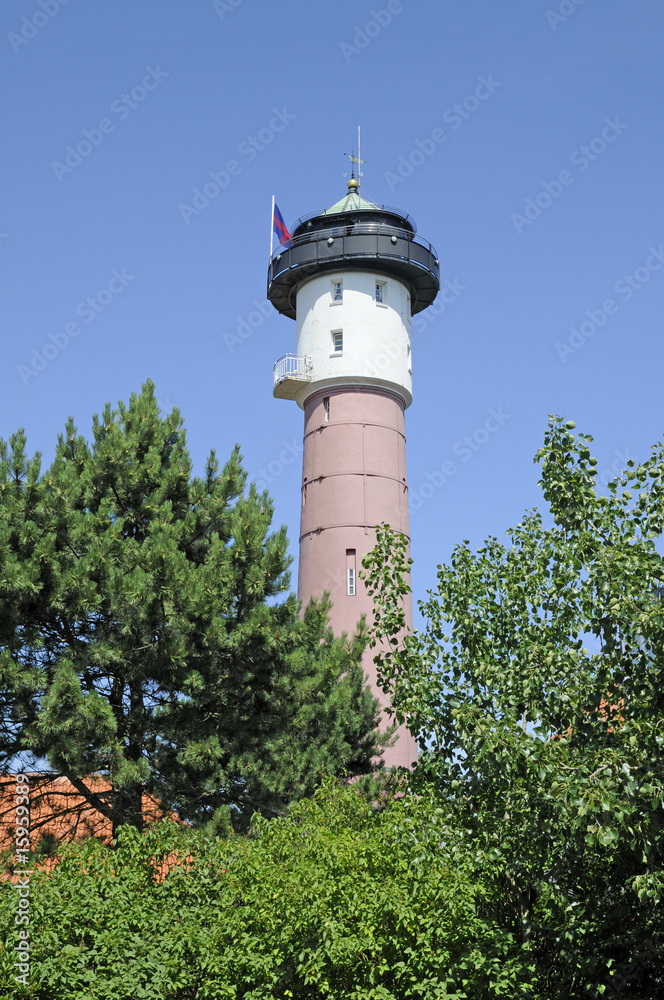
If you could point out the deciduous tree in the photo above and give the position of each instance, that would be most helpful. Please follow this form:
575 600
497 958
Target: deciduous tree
536 692
339 899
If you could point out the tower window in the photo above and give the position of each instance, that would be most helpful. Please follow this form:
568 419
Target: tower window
337 341
380 292
326 407
350 572
337 291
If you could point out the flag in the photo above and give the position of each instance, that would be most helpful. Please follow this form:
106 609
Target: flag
279 227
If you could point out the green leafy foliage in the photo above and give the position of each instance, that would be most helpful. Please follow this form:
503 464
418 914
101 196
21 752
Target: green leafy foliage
140 638
536 693
345 898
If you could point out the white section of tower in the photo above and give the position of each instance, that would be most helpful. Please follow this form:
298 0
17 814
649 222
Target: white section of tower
354 329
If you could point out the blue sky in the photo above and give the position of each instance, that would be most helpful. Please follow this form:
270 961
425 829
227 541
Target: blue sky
524 138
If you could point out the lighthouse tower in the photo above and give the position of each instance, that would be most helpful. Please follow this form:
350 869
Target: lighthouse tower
352 278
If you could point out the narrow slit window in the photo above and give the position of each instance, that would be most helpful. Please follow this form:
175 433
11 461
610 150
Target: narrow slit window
350 573
380 292
326 407
338 341
337 291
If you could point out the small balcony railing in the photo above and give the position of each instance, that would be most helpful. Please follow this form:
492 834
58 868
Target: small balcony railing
290 373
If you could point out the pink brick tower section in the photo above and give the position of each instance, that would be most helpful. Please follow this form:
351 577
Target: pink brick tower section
353 478
351 278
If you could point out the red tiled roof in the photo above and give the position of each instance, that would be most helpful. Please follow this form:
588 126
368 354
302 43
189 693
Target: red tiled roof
57 808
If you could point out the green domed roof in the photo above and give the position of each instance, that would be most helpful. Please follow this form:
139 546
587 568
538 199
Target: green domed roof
351 202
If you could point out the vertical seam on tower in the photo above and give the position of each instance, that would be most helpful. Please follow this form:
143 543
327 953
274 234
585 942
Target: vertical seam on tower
313 468
364 475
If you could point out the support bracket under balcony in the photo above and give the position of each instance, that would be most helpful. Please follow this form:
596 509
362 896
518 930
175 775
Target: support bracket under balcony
290 373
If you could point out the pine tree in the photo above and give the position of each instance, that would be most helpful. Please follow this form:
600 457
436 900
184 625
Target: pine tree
139 637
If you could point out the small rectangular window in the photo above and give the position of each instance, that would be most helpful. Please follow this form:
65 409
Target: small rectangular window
380 286
326 407
338 341
337 291
350 572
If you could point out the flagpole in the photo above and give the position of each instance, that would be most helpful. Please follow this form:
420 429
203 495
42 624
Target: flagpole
359 163
271 227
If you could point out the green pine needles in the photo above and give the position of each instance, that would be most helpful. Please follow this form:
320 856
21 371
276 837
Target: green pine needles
139 638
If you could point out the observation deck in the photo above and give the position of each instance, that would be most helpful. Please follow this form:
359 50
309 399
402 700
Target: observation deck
354 235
